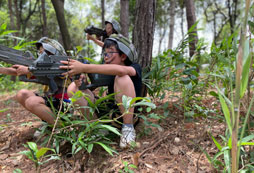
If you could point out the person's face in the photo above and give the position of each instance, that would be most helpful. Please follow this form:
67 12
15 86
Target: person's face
41 50
111 56
109 29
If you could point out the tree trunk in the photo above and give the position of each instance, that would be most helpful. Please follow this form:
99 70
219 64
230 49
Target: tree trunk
18 16
191 19
232 13
59 9
143 32
102 13
182 19
43 10
11 14
124 17
172 24
31 11
162 34
13 78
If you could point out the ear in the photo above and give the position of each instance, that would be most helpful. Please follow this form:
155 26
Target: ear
123 57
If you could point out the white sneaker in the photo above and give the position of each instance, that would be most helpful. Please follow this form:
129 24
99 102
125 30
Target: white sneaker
128 136
40 130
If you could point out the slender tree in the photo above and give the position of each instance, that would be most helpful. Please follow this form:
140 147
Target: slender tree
11 14
102 13
124 17
172 24
59 9
191 19
43 10
18 15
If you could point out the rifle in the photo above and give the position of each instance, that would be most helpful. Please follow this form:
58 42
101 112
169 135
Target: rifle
97 31
46 69
13 56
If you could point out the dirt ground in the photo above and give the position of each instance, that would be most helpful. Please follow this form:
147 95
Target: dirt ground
172 149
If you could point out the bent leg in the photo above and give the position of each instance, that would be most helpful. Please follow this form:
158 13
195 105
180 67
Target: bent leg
124 86
36 105
23 95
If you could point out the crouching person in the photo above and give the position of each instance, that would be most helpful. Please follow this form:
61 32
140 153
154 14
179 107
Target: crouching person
40 105
120 59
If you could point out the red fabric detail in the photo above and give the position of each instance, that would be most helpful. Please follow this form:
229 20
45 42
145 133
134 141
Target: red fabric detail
59 96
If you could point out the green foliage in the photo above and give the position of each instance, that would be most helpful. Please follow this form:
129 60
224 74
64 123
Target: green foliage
38 156
17 171
81 132
230 96
128 168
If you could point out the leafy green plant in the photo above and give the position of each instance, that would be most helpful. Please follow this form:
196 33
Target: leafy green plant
83 133
231 106
78 130
38 156
17 171
127 168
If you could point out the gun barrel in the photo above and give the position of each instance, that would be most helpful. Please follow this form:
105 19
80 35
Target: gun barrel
13 56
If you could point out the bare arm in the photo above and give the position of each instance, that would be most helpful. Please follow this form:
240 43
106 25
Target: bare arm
77 67
96 41
8 71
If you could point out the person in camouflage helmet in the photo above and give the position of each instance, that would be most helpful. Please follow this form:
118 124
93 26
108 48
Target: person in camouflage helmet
120 59
111 27
40 105
51 46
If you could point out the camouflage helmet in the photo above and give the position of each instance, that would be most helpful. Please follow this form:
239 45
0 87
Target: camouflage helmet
125 46
115 25
50 45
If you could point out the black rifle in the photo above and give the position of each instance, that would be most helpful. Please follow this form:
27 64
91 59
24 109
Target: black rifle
46 69
13 56
96 31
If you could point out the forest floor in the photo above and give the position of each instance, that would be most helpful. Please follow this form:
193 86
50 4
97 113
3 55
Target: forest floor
176 147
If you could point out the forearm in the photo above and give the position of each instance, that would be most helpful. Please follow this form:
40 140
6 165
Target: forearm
108 69
8 71
98 42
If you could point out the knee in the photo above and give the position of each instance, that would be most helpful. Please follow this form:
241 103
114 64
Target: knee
124 85
33 102
122 81
22 94
72 89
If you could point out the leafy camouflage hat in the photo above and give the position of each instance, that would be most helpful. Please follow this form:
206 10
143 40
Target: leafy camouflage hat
125 46
51 46
115 25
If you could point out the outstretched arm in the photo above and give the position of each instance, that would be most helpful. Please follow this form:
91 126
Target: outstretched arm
76 67
8 71
96 41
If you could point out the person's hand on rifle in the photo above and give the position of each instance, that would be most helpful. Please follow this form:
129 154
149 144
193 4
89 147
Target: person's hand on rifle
73 67
90 37
95 40
21 70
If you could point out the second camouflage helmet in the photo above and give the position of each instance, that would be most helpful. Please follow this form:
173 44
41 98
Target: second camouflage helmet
115 25
51 45
125 46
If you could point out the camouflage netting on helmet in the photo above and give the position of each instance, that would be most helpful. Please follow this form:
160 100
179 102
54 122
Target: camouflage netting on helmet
125 46
115 25
51 46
